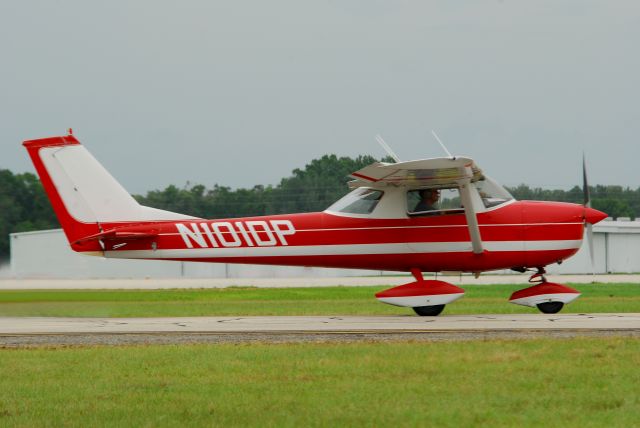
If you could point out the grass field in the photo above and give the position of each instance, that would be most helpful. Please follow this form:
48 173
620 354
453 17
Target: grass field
573 383
287 301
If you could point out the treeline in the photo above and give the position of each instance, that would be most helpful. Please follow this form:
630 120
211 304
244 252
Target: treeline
314 188
24 206
616 201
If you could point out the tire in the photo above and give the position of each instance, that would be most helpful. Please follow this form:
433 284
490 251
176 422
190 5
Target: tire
550 307
429 311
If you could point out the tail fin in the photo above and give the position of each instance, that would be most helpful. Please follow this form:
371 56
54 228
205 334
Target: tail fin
83 193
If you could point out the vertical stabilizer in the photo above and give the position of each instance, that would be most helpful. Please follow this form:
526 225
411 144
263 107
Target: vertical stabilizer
83 193
73 228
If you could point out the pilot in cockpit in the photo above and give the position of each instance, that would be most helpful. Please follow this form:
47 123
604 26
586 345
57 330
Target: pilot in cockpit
428 200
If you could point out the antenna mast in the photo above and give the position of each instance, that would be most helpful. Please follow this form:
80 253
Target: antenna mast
442 144
387 149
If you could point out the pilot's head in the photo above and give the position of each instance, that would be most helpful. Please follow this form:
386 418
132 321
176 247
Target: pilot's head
430 195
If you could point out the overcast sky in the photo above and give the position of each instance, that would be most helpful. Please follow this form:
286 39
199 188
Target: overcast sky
241 92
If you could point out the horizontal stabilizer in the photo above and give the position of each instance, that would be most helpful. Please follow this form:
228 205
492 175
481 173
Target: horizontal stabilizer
115 234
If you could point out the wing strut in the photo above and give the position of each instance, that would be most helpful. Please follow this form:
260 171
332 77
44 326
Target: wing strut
470 212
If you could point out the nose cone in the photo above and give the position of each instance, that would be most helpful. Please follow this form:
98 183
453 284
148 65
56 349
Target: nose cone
593 216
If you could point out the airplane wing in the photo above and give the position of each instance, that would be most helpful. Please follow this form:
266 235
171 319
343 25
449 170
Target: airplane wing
437 172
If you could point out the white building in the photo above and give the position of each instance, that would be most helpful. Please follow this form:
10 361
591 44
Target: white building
46 254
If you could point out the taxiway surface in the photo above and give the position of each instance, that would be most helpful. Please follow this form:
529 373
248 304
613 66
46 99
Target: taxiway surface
54 325
38 331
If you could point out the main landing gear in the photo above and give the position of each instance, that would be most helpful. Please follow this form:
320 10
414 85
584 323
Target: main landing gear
426 297
548 297
429 297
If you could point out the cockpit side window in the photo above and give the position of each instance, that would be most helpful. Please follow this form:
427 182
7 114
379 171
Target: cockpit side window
433 201
360 201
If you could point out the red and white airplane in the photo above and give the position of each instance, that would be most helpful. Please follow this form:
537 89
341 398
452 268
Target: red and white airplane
384 223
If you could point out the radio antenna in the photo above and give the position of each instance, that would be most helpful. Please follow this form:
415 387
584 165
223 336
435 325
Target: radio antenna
387 149
442 144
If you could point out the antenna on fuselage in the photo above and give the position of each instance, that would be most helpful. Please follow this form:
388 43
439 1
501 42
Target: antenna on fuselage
442 144
386 148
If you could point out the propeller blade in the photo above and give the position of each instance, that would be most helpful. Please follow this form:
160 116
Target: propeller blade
591 249
587 204
585 183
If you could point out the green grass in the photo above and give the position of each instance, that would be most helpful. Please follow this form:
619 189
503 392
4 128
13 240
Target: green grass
573 383
288 301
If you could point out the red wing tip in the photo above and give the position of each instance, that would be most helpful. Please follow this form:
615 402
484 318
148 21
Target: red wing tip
66 140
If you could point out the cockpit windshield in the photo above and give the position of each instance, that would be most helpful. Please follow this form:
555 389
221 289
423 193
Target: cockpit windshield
360 201
491 193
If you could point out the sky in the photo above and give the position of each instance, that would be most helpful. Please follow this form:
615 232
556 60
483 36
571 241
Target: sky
242 92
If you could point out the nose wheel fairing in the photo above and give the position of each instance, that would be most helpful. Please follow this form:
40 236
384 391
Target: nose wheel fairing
544 293
548 297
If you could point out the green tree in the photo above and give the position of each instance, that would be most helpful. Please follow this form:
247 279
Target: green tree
314 188
24 206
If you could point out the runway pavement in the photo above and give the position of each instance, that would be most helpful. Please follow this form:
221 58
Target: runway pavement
51 325
38 331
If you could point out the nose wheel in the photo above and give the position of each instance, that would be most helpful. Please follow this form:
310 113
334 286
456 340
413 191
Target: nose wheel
429 311
550 307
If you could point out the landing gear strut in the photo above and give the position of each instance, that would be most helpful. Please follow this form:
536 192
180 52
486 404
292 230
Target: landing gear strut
548 297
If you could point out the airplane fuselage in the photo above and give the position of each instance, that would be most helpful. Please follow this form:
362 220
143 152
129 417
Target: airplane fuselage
519 234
